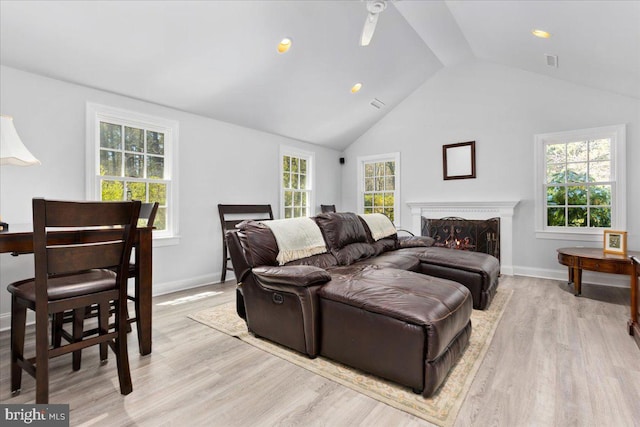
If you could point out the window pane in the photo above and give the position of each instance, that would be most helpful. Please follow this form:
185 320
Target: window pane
286 164
138 190
133 139
110 163
294 180
155 167
288 213
577 151
297 212
600 195
389 199
556 153
378 199
134 165
160 223
389 213
390 168
577 217
379 181
380 169
600 217
155 143
368 210
303 211
110 136
158 193
555 174
368 170
294 164
297 198
112 190
368 184
368 200
577 172
577 195
600 149
555 217
288 198
303 182
303 166
555 196
600 171
389 183
286 180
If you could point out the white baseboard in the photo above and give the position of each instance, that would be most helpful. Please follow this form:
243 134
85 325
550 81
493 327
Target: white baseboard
158 289
588 277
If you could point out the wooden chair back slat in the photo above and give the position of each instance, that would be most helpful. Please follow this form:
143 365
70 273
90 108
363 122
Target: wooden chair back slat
71 259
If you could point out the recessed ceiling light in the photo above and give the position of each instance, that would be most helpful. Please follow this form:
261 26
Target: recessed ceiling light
356 87
284 45
541 33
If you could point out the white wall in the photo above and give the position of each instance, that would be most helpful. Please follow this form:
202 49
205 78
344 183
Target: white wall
501 109
218 163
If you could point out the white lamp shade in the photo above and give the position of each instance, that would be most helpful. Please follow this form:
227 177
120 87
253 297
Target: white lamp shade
12 150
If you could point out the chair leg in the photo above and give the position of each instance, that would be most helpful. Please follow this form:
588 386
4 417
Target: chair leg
223 277
56 329
122 355
78 328
42 356
103 328
18 325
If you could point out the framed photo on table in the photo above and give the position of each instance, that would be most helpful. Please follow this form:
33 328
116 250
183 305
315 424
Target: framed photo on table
615 242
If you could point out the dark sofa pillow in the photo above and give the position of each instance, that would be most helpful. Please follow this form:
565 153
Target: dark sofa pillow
341 229
346 237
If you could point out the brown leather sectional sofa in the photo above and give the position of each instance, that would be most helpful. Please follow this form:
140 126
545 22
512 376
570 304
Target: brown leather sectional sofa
373 305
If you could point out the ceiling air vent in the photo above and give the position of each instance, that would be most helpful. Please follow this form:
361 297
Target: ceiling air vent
377 103
552 60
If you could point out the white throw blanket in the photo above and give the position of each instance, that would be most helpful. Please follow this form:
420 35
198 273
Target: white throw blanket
297 238
380 225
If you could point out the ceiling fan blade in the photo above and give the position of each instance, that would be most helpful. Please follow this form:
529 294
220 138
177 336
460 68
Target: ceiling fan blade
368 29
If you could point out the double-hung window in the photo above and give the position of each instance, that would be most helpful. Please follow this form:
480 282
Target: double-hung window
580 183
131 156
379 185
296 184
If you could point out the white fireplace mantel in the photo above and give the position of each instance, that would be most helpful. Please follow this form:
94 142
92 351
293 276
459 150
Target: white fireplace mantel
472 210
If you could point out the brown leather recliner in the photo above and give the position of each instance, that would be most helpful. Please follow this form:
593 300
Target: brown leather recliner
363 303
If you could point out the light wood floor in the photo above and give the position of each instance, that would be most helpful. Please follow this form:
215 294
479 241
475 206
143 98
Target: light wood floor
555 360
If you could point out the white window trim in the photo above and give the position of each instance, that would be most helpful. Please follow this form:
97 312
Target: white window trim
311 177
395 157
617 133
96 113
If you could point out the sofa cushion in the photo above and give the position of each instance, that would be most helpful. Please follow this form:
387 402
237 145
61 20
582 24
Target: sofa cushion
345 236
415 242
258 242
393 259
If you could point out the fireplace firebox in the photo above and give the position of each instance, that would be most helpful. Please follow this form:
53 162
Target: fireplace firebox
464 234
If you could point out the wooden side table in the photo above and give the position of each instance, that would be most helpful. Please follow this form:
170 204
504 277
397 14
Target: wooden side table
594 259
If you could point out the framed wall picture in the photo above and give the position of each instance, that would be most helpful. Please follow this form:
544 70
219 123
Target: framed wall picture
615 242
459 160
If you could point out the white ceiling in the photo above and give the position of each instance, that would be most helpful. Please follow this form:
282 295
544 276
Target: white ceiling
218 58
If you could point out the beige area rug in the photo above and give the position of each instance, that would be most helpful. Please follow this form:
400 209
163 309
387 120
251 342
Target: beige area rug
441 409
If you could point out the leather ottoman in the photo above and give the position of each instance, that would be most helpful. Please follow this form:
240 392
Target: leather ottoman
477 271
396 324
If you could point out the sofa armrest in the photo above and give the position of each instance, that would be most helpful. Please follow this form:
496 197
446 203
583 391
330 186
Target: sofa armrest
415 241
293 275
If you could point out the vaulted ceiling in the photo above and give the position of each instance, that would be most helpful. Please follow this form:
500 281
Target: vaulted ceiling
218 58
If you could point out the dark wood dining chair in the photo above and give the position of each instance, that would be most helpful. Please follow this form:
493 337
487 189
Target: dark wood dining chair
88 266
146 218
230 216
327 208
